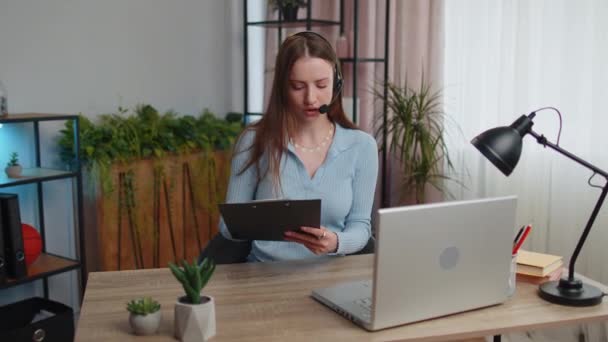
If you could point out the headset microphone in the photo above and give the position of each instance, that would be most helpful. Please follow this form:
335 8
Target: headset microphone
337 89
325 108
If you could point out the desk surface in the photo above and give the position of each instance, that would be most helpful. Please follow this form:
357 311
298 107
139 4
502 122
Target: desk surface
271 302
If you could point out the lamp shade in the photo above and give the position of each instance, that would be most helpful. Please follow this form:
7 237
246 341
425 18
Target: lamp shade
502 146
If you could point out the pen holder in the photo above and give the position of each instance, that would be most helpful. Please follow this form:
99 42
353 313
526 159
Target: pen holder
512 276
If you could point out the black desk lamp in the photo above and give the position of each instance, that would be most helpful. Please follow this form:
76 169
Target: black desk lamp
502 146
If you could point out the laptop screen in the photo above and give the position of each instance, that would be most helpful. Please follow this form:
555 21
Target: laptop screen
442 258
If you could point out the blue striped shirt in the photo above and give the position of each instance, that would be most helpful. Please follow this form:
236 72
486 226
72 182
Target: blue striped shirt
345 183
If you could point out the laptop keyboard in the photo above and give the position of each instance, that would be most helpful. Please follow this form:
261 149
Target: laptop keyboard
366 305
366 302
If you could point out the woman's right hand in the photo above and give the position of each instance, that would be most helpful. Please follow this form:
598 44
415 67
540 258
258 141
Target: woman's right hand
318 240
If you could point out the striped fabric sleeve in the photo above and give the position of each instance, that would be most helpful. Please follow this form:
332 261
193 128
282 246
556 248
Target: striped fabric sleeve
241 187
358 221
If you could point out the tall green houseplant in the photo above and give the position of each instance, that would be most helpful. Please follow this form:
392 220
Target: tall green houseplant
414 129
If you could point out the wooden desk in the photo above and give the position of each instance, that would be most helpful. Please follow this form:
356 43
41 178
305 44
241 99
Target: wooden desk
271 302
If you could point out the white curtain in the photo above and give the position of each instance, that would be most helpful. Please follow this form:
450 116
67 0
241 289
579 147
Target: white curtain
507 58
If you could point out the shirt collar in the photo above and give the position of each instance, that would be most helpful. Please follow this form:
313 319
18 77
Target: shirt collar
343 140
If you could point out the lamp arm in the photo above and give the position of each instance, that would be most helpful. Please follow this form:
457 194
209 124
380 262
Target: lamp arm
581 241
543 141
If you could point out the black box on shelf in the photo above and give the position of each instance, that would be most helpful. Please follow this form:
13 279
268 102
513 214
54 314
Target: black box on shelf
13 238
36 319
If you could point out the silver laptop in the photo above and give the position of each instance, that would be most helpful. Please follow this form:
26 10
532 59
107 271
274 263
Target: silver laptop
431 260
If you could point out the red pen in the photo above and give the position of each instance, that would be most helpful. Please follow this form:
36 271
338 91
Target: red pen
523 238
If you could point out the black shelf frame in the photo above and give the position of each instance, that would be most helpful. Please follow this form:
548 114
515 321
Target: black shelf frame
59 174
295 23
361 60
75 173
43 275
36 117
353 61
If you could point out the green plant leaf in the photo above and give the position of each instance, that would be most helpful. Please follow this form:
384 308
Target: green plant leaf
128 135
415 134
143 306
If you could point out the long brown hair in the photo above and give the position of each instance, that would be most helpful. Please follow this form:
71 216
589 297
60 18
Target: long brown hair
272 131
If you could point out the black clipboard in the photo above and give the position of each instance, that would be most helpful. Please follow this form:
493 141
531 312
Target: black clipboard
270 219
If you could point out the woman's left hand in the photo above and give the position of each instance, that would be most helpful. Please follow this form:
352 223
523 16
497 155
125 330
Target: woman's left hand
318 240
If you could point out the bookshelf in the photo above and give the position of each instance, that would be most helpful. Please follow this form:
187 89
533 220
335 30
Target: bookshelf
49 264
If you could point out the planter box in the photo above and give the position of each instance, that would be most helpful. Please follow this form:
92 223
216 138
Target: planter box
36 319
158 211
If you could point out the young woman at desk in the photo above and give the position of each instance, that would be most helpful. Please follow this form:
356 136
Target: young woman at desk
297 152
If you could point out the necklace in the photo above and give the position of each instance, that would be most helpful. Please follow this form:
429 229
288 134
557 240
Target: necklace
316 148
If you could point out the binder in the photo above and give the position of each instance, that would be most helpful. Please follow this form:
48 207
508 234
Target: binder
270 219
2 258
13 238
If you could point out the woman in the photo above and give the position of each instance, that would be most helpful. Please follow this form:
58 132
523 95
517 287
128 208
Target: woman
296 152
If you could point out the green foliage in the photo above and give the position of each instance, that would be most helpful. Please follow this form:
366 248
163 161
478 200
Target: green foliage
14 161
143 306
276 4
193 277
234 117
144 133
415 135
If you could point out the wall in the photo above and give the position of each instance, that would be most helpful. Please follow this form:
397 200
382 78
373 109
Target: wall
86 56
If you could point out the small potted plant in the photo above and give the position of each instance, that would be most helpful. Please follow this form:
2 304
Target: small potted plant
194 313
144 315
13 169
288 8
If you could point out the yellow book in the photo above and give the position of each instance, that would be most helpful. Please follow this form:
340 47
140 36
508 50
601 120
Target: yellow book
537 264
555 275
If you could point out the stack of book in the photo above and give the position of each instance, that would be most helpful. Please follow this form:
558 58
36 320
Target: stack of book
538 268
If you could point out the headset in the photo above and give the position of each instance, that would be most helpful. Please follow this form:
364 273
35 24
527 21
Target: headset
338 81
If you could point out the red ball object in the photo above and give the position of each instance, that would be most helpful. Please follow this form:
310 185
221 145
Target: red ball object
32 243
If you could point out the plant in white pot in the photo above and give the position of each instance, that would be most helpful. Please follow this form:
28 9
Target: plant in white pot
194 313
13 169
144 315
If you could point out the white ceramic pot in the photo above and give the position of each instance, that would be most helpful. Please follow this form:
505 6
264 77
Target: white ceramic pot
145 324
194 323
13 171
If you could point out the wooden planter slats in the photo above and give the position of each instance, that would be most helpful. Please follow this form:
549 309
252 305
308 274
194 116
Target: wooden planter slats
170 213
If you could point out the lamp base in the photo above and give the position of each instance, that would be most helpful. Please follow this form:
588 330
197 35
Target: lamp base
570 292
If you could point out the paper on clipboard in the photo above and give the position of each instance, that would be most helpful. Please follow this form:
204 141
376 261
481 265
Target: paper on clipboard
270 219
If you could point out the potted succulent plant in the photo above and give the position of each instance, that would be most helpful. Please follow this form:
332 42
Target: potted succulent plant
13 169
144 315
288 8
194 313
